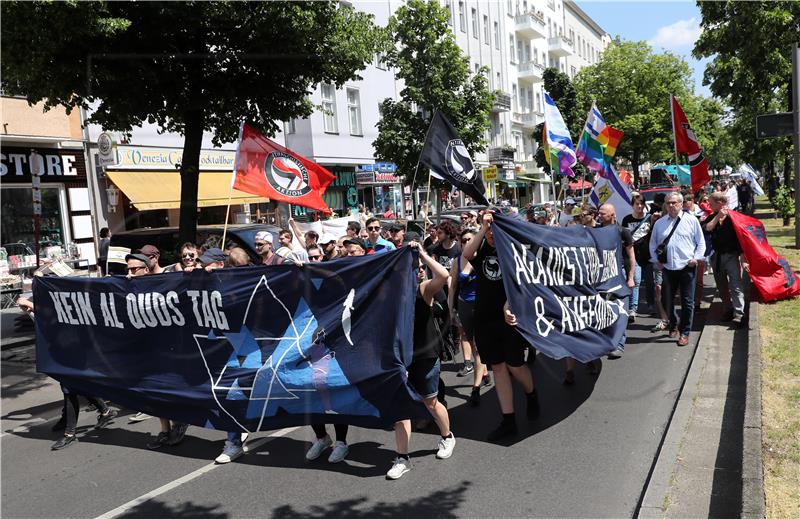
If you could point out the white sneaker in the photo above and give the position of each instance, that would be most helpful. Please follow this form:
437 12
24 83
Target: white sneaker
229 453
400 467
244 440
340 450
139 417
318 447
446 446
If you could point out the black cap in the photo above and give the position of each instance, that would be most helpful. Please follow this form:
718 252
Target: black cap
355 241
212 255
395 227
411 236
139 256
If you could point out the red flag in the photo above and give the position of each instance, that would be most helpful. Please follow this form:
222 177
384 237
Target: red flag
771 274
686 142
266 168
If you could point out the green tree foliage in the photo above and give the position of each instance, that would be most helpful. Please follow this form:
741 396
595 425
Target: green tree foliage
561 90
631 86
435 75
185 66
750 44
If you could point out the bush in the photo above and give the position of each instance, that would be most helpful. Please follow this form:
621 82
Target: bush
783 202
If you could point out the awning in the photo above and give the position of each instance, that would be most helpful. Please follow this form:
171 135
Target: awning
162 189
580 184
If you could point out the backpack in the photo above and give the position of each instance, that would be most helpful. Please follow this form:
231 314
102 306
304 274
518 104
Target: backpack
444 327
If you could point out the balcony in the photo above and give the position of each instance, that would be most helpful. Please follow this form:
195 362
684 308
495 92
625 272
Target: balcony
530 71
560 46
502 102
527 120
501 155
530 25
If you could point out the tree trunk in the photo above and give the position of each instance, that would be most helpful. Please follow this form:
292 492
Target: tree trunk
635 167
787 173
771 179
190 174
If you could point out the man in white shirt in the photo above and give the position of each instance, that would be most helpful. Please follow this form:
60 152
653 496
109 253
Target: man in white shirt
685 247
566 213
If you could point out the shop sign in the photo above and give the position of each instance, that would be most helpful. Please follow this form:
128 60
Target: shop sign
134 157
490 174
380 167
375 177
509 175
60 165
107 150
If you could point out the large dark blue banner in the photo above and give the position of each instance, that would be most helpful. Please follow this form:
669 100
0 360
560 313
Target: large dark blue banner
565 285
252 348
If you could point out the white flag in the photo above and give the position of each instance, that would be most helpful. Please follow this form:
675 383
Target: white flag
612 190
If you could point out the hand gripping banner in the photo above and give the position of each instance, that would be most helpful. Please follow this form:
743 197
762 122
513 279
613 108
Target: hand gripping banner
565 285
244 349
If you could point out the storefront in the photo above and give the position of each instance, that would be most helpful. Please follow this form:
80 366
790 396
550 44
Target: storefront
65 224
341 195
381 189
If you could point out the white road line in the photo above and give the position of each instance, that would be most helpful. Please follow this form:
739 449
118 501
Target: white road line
252 446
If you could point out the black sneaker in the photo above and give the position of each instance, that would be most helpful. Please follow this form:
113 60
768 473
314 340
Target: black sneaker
64 442
467 369
177 434
487 380
59 425
105 419
159 441
533 406
504 430
475 397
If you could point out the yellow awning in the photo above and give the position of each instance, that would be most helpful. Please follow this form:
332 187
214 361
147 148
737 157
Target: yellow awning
162 189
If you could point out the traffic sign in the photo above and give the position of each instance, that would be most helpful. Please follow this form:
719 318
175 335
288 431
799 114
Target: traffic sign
774 125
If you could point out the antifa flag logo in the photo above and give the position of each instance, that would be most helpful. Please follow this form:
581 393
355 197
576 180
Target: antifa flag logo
787 273
758 232
689 131
458 162
287 175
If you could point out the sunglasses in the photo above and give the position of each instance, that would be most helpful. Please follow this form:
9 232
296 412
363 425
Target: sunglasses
260 244
374 228
315 257
136 269
188 255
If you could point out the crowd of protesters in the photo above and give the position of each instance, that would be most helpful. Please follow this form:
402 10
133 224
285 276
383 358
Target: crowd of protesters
667 244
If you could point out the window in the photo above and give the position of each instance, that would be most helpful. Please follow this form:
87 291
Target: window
450 10
538 102
496 35
510 8
529 108
514 100
486 30
290 126
462 22
474 23
517 144
354 111
521 51
499 84
477 67
512 52
329 108
572 35
379 60
572 72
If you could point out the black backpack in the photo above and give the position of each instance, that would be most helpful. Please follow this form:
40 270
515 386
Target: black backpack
444 327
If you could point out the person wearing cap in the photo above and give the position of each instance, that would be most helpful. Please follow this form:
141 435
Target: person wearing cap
263 244
213 259
152 252
355 247
329 247
375 243
396 233
565 217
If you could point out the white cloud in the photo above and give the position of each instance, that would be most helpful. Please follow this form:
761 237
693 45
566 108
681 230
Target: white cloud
679 35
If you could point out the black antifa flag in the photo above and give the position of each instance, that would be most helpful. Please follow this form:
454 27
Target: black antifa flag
565 285
244 349
447 157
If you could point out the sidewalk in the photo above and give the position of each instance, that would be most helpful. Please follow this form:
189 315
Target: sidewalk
11 335
710 464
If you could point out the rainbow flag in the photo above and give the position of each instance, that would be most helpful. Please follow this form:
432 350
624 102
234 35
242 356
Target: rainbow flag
598 143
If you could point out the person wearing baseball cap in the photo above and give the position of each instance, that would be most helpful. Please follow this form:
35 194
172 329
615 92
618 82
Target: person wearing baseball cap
263 244
152 252
565 217
212 259
330 247
355 247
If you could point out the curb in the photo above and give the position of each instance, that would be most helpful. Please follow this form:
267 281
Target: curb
753 497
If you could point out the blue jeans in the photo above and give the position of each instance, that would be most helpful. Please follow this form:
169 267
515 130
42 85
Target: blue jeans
624 337
235 438
684 281
637 278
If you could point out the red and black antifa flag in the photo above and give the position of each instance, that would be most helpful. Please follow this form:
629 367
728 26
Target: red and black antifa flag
770 273
243 349
447 157
565 285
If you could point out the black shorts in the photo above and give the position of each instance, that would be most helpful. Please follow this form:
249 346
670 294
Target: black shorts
498 342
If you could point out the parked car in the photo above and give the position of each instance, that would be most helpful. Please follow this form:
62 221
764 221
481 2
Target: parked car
168 243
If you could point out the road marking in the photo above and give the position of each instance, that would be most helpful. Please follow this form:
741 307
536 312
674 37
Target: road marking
252 446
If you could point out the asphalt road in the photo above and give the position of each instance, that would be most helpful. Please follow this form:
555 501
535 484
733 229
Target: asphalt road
588 455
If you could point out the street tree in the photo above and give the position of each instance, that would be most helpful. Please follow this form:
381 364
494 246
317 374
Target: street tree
435 75
188 67
631 86
563 93
750 44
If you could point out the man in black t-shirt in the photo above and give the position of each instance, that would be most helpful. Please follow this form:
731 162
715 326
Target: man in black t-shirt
446 249
727 252
608 216
499 344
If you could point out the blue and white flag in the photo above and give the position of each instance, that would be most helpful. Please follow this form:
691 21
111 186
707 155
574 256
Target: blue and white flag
559 141
750 174
244 349
565 285
611 190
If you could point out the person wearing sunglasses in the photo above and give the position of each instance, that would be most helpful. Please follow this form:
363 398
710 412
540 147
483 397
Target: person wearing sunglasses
376 244
315 254
263 244
188 258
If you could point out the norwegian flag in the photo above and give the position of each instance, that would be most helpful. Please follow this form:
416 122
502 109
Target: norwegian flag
686 142
265 168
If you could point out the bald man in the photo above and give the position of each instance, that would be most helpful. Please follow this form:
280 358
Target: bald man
608 216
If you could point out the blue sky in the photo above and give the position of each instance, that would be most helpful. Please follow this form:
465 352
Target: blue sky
666 25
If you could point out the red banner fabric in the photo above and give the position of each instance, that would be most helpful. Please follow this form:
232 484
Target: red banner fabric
771 274
265 168
686 142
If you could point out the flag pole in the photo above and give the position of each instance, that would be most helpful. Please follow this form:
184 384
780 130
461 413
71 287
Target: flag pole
233 180
414 179
674 140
